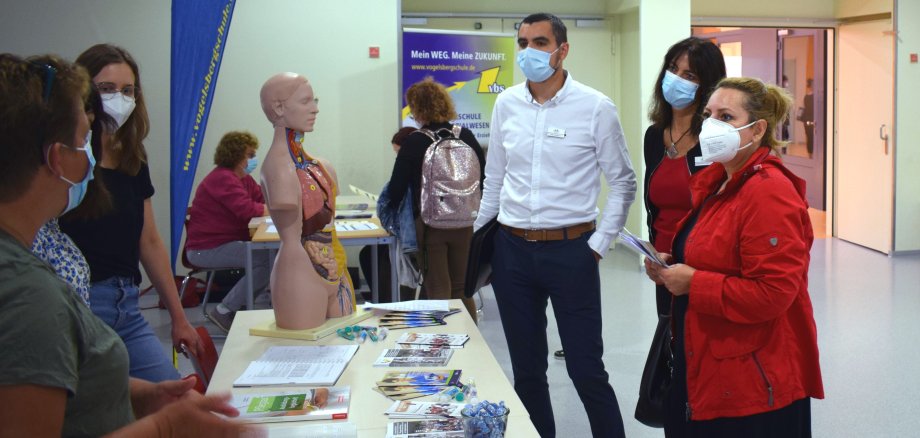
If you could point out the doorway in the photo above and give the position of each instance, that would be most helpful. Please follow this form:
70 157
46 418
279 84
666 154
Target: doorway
795 59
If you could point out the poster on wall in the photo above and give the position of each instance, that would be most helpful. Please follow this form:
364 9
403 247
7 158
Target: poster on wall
474 66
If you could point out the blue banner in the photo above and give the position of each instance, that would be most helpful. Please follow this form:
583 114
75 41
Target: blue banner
199 35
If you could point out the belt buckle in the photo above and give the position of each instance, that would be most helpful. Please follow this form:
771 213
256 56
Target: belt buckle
527 235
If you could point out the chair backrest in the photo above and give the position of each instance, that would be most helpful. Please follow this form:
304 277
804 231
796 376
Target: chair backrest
205 365
187 264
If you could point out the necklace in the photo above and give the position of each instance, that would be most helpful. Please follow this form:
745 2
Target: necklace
672 150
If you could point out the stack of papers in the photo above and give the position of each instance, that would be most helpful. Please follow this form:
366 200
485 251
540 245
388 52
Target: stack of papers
314 365
412 306
641 247
305 404
413 384
415 409
355 225
432 340
422 357
445 428
401 320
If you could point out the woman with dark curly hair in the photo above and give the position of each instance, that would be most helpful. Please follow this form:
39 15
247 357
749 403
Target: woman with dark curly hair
444 252
219 217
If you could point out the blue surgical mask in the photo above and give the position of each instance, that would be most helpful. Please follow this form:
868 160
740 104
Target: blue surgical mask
535 64
77 190
251 164
678 91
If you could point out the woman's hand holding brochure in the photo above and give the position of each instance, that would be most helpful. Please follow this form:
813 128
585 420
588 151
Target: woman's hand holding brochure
641 247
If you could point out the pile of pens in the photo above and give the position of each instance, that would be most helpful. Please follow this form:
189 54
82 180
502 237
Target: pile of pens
362 333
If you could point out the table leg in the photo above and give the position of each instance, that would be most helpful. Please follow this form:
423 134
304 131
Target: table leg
394 275
248 269
375 280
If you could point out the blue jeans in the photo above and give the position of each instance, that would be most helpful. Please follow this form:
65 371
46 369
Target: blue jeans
114 301
525 276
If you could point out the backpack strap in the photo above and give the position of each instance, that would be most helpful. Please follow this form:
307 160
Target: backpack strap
456 130
427 133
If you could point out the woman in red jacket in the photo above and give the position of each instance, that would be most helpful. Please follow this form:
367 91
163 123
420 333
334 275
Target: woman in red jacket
218 222
745 343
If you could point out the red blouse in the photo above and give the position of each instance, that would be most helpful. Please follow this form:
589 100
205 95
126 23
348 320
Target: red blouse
669 190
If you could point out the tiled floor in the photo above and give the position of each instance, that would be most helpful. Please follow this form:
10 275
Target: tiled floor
866 308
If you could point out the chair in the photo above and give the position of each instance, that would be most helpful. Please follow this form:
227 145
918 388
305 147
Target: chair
205 365
195 270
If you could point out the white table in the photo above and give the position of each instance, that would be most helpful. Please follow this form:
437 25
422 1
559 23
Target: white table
367 406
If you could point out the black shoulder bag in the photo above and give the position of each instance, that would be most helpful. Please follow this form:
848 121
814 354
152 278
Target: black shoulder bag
656 377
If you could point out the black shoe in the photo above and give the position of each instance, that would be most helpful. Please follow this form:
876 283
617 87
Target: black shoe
559 354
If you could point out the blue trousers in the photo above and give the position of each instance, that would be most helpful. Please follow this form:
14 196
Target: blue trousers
526 274
114 301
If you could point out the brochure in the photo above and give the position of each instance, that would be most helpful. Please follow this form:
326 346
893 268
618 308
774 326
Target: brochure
402 357
397 390
421 378
439 340
445 428
416 409
383 390
640 247
315 365
308 404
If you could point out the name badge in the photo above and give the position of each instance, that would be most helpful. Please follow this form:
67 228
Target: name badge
699 161
555 132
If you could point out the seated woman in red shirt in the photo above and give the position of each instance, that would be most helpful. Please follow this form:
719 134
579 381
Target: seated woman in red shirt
218 223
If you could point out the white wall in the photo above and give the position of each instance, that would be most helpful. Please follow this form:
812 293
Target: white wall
907 135
855 8
632 104
762 9
523 7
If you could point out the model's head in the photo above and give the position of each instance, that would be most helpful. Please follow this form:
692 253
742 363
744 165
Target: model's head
116 77
44 129
689 71
288 101
430 102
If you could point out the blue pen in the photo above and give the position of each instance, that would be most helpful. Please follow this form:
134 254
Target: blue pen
373 334
363 336
383 333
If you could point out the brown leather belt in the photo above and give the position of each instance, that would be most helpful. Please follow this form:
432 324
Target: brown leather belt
567 233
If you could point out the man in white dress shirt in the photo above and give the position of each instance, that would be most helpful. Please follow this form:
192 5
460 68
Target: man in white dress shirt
551 139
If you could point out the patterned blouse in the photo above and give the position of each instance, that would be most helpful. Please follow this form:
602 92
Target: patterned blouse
56 249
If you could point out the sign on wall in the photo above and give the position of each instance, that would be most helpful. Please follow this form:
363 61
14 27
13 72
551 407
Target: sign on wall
474 67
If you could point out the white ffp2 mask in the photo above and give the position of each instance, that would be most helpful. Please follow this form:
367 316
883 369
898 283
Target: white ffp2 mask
720 141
